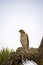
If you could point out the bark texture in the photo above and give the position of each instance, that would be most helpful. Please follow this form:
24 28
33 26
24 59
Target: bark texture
21 55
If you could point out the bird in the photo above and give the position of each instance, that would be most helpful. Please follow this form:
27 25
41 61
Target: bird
24 39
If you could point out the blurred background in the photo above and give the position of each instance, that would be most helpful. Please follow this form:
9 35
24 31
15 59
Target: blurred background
20 14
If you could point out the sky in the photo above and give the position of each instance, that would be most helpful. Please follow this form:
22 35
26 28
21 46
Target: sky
20 14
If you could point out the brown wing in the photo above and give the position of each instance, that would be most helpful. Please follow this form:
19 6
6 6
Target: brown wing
27 41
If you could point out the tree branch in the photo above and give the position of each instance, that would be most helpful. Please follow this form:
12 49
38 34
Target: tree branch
21 54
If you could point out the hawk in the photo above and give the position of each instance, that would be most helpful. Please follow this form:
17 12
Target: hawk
24 39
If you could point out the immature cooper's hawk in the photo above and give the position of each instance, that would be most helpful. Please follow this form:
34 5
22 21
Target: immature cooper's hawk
24 39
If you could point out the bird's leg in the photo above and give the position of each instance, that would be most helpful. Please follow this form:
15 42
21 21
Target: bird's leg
25 49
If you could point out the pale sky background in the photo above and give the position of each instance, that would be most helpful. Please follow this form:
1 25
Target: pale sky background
20 14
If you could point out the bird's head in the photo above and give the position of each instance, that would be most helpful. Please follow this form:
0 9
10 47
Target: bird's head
21 31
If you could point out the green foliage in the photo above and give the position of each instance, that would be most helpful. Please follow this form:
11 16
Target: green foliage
4 53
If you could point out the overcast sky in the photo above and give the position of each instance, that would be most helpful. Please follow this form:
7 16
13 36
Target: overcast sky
20 14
